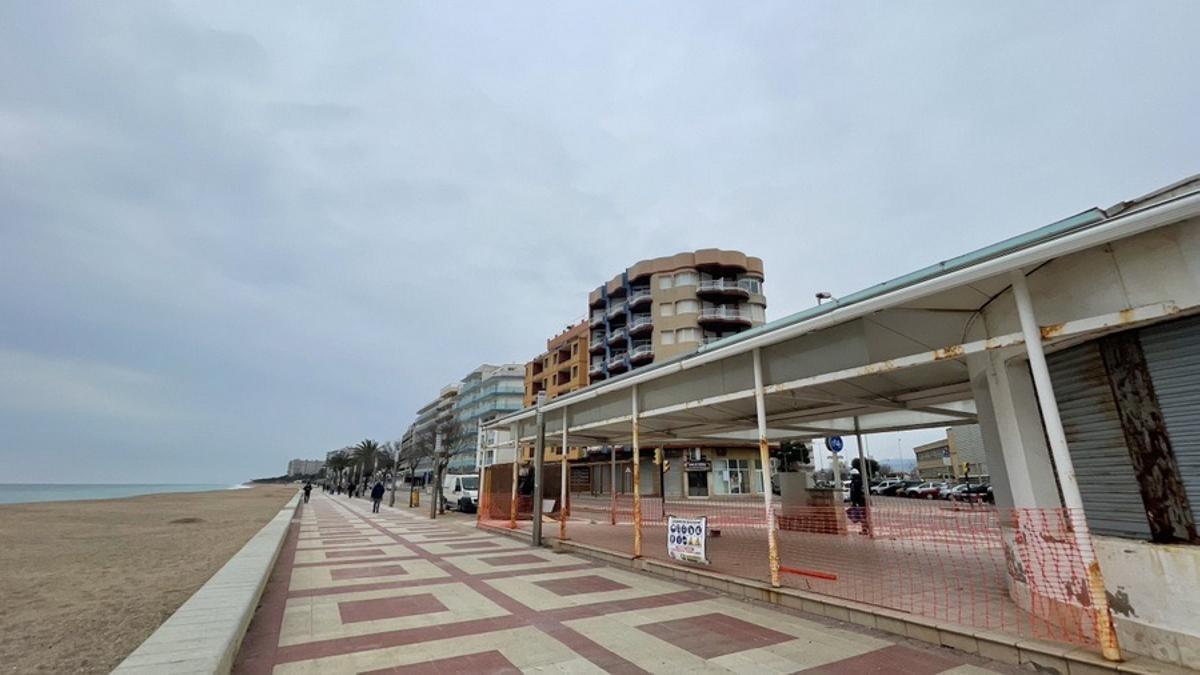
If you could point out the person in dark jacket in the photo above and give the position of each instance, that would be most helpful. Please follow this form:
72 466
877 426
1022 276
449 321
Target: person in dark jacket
376 496
858 501
307 490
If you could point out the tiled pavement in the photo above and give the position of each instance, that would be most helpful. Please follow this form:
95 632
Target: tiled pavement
356 592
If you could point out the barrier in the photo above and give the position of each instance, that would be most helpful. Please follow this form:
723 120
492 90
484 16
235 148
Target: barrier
1018 571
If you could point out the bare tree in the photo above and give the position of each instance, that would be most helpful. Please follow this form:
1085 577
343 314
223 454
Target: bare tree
418 451
453 441
390 458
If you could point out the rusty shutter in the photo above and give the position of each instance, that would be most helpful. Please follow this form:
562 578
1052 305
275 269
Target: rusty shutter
1111 495
1173 357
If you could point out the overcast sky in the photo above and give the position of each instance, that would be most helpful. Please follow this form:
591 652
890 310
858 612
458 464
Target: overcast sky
233 234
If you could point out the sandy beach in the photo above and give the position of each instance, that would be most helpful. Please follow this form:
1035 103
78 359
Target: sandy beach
83 583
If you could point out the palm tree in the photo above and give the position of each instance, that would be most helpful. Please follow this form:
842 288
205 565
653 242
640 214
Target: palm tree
336 464
366 454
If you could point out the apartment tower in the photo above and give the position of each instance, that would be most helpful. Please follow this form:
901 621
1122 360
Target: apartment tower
661 308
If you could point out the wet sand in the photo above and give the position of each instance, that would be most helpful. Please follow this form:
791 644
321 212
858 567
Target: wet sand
82 584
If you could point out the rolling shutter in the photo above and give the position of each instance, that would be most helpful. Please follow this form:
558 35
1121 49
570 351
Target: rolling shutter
1173 357
1111 496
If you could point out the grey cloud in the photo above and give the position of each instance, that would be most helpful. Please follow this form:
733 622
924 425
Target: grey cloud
294 222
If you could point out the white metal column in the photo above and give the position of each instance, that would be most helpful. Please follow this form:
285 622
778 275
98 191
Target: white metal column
764 454
1105 633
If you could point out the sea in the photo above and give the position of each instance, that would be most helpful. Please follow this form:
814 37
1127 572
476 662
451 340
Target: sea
24 493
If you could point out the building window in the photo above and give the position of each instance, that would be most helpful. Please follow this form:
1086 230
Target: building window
664 282
687 307
733 476
668 337
751 284
666 309
687 279
687 335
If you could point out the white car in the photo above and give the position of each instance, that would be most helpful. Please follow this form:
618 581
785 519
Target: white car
876 489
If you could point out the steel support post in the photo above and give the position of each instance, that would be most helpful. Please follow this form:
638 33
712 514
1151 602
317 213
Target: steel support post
1106 634
864 474
637 474
539 466
512 504
612 487
563 487
764 453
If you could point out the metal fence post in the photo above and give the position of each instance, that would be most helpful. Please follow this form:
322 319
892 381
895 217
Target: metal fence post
512 504
539 462
764 454
637 488
563 487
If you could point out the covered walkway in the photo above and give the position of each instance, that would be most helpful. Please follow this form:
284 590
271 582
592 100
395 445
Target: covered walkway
960 342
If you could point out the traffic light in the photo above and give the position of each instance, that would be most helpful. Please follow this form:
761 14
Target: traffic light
666 465
966 468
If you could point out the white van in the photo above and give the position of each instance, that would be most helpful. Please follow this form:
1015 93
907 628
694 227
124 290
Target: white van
461 491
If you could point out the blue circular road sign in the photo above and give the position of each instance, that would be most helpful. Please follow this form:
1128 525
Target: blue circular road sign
835 443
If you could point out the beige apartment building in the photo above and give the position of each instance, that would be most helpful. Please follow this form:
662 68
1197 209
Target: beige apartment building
655 311
664 307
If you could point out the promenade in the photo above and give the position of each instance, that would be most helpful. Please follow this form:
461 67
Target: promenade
356 592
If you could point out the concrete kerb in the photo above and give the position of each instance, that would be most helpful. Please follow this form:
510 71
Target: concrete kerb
204 634
1002 647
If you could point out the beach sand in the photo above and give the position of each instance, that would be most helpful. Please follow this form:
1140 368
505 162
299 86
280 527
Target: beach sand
82 584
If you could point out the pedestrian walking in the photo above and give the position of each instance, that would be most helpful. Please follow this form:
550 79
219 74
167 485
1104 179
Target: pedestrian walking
351 489
858 501
376 496
307 490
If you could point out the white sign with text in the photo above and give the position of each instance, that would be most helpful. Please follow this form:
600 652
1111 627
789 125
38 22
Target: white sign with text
687 539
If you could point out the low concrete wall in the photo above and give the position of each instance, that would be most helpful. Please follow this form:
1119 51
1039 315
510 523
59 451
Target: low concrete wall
203 635
1154 592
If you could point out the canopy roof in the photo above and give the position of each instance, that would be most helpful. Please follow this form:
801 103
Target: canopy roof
892 355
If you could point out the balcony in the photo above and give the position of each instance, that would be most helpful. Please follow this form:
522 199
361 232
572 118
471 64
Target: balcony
616 362
725 315
596 342
638 297
640 323
596 366
726 287
641 351
597 317
616 308
617 337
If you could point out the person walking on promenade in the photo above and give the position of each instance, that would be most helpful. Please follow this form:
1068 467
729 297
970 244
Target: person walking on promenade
376 496
858 501
307 490
350 490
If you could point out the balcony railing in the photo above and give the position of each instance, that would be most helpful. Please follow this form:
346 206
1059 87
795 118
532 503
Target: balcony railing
616 360
640 322
724 314
638 296
725 286
616 308
641 350
597 342
597 317
617 336
596 365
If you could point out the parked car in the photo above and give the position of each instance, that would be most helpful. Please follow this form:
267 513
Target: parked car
950 490
975 493
913 490
879 487
928 490
892 490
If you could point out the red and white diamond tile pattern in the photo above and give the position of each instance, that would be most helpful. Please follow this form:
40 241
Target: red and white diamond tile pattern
356 592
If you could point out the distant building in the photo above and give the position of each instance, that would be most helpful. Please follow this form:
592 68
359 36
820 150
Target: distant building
485 393
661 308
958 456
305 467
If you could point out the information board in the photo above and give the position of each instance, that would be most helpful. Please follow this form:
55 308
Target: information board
687 539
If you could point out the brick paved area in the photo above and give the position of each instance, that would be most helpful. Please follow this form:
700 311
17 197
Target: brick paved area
356 592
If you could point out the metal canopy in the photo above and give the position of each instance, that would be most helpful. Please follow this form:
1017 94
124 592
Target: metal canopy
893 356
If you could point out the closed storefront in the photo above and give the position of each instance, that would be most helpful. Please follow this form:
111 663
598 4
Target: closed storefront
1130 405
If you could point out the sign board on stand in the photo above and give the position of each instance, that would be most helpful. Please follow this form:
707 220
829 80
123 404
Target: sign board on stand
835 444
687 539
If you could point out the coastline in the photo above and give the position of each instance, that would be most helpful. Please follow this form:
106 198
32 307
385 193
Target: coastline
31 493
85 582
